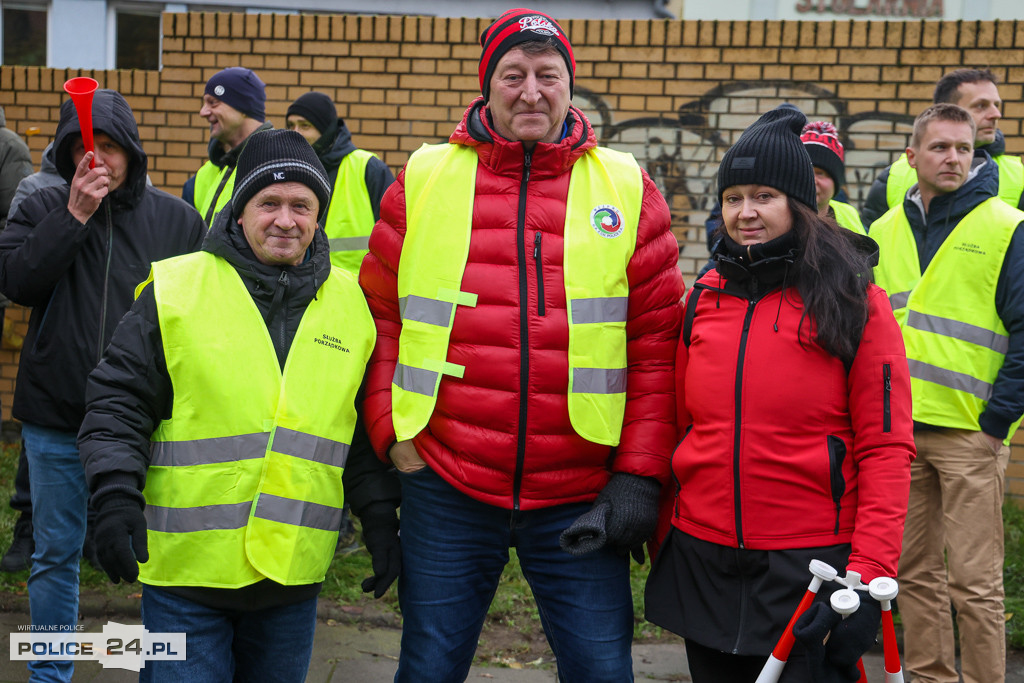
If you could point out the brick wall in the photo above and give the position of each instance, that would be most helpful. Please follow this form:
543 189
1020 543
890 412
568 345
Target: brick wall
676 94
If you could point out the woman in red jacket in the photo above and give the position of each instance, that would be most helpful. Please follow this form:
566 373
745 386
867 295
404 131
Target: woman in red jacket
793 404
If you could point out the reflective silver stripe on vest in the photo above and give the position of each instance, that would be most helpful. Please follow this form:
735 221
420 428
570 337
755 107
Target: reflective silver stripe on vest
310 447
202 518
611 309
416 380
429 311
899 299
950 379
208 451
598 381
298 512
349 243
958 330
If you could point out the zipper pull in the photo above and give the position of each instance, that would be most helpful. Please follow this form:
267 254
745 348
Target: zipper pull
888 378
536 245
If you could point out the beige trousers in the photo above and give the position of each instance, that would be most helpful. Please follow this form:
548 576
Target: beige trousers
956 497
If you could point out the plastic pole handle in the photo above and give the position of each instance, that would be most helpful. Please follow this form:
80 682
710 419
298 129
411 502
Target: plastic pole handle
772 670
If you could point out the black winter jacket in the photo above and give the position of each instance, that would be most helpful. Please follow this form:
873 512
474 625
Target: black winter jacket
944 213
130 392
80 279
378 175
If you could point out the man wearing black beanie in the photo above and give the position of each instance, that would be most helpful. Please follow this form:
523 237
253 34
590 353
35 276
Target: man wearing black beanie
223 429
358 177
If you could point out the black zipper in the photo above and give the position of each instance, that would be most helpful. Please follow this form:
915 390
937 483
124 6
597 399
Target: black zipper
540 273
741 623
886 397
282 282
524 333
106 283
737 428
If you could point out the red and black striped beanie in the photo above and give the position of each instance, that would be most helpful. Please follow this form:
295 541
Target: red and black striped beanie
517 26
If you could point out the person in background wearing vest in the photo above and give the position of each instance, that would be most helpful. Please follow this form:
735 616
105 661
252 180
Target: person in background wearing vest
976 91
75 252
526 294
358 177
233 103
826 151
952 261
774 469
216 452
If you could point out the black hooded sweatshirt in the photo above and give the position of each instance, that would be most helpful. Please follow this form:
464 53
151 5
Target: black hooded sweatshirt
80 279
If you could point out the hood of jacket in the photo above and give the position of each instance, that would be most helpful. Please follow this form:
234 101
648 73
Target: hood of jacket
111 115
337 150
49 162
505 157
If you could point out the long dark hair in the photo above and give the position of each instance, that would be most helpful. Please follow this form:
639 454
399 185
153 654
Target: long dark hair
832 276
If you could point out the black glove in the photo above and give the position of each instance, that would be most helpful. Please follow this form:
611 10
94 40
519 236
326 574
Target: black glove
623 516
835 661
120 530
380 533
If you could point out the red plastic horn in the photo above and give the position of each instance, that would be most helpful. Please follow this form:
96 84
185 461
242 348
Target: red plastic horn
81 89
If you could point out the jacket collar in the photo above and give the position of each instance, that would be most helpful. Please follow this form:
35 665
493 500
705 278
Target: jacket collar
506 157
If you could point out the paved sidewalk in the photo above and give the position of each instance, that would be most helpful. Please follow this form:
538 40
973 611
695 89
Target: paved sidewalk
354 648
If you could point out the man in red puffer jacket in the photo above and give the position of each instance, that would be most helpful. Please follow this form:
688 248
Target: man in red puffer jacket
526 295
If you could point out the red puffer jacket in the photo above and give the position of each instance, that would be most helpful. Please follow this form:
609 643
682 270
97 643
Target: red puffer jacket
784 448
501 433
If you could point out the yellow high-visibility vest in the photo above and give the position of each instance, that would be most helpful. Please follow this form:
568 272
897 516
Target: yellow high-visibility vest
847 217
1011 179
955 340
213 188
245 481
601 219
350 215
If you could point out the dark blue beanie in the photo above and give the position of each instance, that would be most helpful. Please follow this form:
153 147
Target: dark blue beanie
240 88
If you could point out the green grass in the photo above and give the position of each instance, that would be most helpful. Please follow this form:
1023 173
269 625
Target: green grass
513 604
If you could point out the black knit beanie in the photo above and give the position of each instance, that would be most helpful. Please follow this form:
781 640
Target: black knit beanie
278 156
821 140
517 26
770 153
240 88
315 107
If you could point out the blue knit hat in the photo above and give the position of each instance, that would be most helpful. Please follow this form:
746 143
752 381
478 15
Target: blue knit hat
240 88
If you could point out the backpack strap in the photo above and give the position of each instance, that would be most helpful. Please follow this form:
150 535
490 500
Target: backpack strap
691 310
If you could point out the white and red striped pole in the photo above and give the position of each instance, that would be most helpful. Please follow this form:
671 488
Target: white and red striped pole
884 590
772 670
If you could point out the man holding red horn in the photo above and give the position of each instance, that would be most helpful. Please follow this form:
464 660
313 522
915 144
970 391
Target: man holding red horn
75 254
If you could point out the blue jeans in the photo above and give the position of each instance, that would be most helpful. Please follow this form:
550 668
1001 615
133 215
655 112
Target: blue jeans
59 497
454 549
221 646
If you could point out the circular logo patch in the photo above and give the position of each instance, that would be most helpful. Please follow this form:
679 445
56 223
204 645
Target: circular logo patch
607 220
218 90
